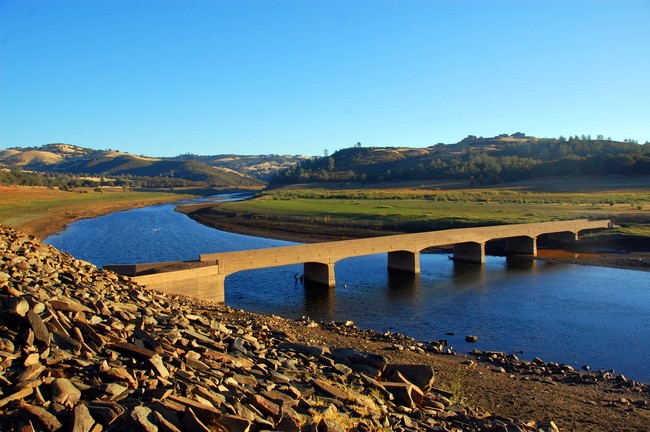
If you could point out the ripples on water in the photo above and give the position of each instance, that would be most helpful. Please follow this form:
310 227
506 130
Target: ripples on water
559 312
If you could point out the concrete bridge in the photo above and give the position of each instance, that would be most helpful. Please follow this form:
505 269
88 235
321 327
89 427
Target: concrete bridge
319 259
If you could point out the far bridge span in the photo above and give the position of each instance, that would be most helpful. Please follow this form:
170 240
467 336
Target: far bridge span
208 282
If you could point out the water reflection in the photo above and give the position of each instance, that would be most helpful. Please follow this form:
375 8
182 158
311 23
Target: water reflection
468 272
319 300
520 263
402 286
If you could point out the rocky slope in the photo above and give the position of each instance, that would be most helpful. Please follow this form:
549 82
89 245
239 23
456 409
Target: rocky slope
83 349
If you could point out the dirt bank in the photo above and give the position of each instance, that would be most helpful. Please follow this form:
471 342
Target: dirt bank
42 211
606 250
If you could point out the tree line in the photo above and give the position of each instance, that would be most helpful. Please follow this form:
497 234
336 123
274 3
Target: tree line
71 182
482 161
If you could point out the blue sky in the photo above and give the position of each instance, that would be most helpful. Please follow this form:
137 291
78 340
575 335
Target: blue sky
165 77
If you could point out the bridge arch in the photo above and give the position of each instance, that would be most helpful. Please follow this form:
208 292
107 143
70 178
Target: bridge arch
470 252
522 245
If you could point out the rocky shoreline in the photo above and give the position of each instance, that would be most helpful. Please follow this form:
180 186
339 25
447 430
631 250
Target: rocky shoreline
82 349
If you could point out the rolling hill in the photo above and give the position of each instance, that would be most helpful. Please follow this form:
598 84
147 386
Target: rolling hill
67 158
481 160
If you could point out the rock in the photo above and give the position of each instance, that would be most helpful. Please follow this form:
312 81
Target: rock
159 366
39 416
192 423
19 395
547 426
140 419
422 376
68 305
113 390
342 369
133 350
288 423
30 372
205 413
365 369
18 305
330 390
353 355
233 423
314 351
163 424
82 421
64 392
105 413
265 405
120 374
471 338
41 333
279 378
405 394
329 425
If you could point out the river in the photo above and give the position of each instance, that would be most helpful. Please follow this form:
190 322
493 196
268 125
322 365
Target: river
579 315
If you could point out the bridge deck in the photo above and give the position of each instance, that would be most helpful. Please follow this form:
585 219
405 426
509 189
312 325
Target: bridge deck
331 252
319 258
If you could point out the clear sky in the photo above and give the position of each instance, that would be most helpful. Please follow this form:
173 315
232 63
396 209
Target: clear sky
166 77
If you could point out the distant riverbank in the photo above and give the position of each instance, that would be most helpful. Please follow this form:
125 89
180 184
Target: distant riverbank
604 249
42 211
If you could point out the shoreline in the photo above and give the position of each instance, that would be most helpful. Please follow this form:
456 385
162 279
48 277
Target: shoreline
494 382
490 389
49 211
58 221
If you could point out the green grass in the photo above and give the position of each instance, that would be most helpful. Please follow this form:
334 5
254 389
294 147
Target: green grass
447 209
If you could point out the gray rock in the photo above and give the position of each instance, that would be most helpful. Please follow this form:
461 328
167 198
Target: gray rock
354 355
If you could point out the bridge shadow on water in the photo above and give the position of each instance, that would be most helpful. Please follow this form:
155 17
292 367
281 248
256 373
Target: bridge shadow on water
319 300
402 285
405 288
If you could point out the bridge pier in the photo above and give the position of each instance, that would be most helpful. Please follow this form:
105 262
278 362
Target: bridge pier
522 245
470 252
320 273
404 261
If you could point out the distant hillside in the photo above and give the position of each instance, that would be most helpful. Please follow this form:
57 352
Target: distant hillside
262 167
481 160
67 158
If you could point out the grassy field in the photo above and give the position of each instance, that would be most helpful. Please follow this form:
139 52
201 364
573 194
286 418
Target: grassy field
42 211
416 208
